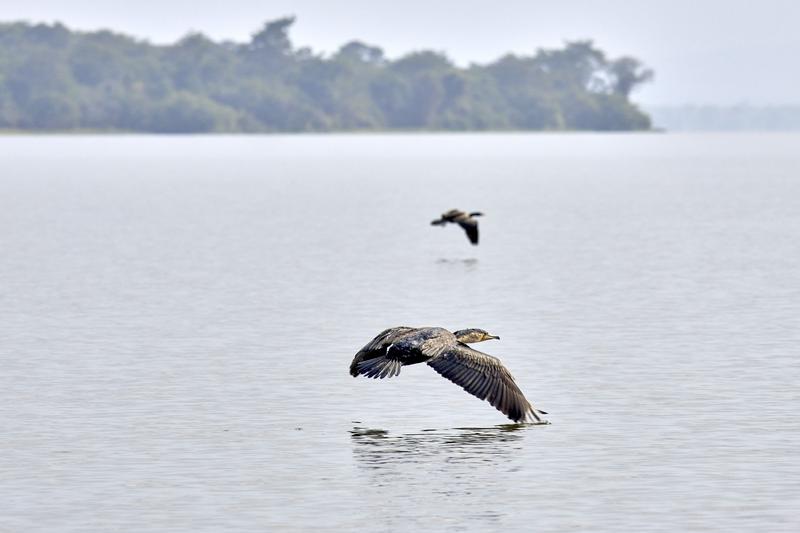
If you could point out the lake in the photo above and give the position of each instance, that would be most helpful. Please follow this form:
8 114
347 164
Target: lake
177 317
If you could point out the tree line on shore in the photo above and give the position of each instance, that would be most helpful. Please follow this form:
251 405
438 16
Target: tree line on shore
55 79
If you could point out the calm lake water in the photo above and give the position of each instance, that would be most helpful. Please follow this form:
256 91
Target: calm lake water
177 315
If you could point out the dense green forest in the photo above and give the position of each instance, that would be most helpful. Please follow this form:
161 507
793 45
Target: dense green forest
52 78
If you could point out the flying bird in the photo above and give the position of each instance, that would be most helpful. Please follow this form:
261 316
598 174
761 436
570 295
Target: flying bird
447 353
466 221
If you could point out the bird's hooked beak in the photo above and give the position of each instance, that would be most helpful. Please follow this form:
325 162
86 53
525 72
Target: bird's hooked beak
489 337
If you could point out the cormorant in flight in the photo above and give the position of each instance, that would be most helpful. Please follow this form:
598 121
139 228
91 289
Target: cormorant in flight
447 353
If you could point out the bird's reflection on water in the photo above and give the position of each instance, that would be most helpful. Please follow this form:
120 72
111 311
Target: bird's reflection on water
453 467
378 448
469 264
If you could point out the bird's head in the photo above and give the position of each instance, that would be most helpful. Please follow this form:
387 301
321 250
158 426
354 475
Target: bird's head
473 335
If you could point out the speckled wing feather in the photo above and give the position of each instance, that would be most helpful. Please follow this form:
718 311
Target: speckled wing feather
485 377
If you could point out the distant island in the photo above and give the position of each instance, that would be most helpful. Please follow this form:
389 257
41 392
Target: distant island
55 79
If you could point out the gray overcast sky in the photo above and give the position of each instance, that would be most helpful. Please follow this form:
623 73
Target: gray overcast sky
703 51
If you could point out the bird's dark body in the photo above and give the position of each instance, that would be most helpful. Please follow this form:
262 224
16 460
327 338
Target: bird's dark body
402 344
407 353
414 348
452 215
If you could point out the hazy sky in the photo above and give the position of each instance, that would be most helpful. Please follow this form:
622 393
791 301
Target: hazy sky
703 51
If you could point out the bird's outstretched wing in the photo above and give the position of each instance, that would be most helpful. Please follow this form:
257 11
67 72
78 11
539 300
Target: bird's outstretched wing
485 377
373 360
470 225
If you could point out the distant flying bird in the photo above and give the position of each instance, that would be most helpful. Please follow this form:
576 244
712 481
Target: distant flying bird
466 221
447 353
